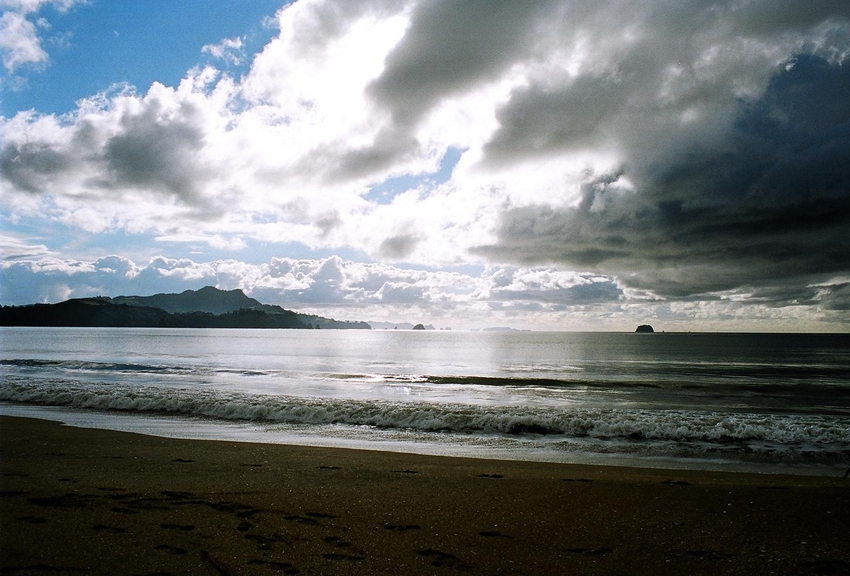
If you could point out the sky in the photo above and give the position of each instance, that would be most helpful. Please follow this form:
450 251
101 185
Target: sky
543 165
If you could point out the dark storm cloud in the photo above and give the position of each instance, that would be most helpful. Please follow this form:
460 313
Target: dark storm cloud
540 120
30 166
154 148
836 297
707 52
767 19
770 201
684 59
338 162
155 155
450 47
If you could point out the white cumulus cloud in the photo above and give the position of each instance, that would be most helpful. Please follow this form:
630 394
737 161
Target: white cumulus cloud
616 152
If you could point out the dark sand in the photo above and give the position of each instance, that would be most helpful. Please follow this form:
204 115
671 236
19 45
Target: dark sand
79 501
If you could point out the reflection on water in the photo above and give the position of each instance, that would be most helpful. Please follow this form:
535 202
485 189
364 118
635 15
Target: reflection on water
765 397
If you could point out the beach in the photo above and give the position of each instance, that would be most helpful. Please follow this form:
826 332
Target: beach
90 501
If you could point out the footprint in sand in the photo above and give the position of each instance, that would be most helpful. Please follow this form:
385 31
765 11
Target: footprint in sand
119 497
32 519
170 549
329 468
301 520
230 507
590 551
64 501
491 476
183 461
177 495
108 529
402 527
494 534
336 541
265 542
319 515
123 510
182 527
441 559
283 567
9 493
713 554
335 556
676 483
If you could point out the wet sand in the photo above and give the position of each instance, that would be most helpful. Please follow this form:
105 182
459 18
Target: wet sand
81 501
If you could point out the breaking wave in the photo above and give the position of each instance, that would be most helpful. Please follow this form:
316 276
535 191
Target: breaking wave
793 432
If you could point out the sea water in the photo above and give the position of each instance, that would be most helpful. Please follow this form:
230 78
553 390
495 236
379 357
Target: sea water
758 402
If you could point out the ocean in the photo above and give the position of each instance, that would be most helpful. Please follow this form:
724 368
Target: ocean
740 402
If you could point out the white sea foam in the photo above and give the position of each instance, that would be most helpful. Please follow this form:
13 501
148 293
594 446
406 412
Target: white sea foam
766 399
814 433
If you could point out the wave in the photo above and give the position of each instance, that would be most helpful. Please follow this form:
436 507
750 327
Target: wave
89 366
818 434
71 366
537 382
821 381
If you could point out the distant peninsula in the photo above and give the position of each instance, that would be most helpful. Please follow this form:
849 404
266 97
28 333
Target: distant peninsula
208 307
645 328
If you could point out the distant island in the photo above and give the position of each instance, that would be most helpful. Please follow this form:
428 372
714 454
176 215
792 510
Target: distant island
376 325
644 328
208 307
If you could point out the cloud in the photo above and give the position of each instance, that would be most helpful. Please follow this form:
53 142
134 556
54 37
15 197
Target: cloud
14 248
536 297
398 247
156 150
229 50
126 155
546 285
20 42
647 151
767 203
448 49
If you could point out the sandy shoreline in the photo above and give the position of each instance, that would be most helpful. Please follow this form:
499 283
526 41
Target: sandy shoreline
90 501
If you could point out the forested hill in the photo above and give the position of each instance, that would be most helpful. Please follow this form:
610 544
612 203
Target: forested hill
205 308
208 299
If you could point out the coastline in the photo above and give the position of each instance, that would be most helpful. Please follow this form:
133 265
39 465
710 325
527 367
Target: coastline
102 502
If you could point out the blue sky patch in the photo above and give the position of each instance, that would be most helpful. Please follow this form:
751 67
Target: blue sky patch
384 192
96 45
